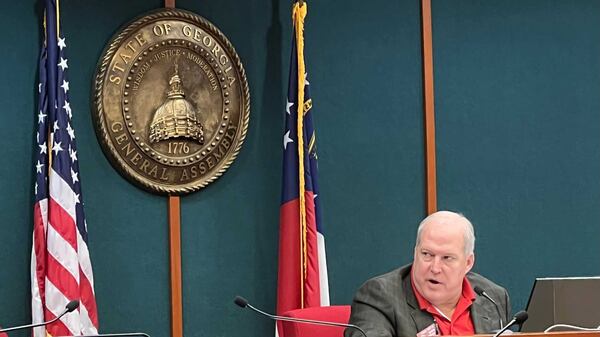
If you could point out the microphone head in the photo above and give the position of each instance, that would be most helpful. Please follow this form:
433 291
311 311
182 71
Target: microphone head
478 290
521 317
74 304
240 301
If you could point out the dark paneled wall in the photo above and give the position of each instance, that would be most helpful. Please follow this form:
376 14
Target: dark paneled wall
517 87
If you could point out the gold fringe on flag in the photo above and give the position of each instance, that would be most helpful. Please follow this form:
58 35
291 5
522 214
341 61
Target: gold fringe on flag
298 15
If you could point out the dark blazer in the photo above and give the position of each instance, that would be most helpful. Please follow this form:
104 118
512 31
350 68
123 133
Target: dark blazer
386 306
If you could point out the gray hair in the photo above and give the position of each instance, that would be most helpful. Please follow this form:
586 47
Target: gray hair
469 234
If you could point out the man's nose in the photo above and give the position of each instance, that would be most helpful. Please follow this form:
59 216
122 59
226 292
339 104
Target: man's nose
436 265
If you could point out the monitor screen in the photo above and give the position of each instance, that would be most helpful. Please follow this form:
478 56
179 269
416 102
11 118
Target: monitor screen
569 300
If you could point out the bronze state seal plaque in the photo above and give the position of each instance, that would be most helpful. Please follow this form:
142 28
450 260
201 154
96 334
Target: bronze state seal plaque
171 102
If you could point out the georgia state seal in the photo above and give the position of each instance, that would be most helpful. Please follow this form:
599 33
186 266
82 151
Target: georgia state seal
171 102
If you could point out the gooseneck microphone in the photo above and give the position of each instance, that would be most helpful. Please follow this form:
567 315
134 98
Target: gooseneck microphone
120 334
519 318
68 308
243 303
482 292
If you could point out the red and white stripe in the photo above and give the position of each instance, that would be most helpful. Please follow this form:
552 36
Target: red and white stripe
323 279
60 265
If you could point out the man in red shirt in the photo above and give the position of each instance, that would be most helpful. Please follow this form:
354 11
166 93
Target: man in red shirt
434 295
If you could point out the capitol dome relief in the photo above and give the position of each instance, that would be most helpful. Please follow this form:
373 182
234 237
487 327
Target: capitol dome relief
176 117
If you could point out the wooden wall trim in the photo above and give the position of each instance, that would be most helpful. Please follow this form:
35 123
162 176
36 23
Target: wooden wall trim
175 259
429 111
175 254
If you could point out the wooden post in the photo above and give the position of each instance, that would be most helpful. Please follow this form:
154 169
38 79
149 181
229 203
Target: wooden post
175 255
429 106
175 247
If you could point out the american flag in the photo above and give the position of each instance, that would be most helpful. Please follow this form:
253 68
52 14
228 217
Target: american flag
60 262
302 279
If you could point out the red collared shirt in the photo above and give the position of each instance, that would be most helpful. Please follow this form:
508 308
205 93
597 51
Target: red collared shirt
460 324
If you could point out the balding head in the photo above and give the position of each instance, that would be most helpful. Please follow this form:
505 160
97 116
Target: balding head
445 219
443 257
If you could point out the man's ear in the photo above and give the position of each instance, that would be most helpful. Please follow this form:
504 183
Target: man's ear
470 262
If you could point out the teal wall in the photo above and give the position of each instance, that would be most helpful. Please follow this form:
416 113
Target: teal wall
517 88
518 133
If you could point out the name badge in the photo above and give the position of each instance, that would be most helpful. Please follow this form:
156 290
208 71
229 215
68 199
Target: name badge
428 331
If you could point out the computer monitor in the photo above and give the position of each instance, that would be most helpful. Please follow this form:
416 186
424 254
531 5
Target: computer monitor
568 300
